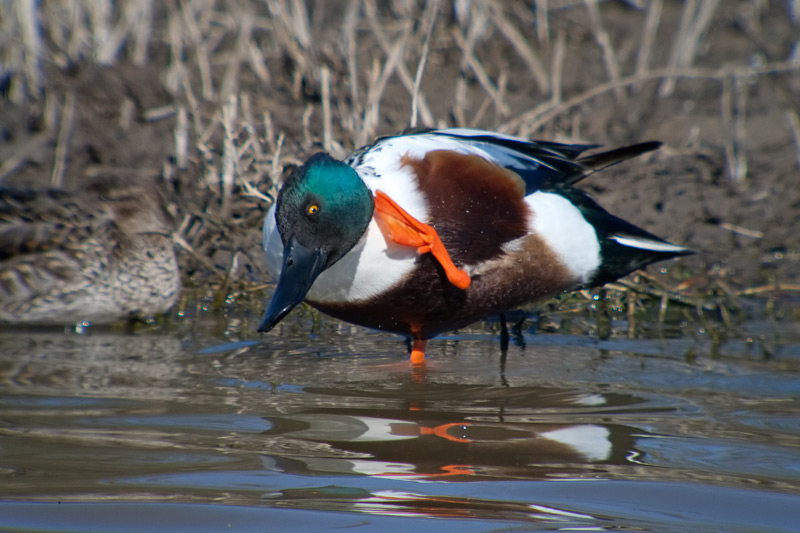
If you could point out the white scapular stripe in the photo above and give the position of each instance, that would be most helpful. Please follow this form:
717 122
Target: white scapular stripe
646 244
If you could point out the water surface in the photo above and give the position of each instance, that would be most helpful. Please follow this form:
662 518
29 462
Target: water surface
323 428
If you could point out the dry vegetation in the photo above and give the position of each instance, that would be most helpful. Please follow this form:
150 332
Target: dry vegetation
220 97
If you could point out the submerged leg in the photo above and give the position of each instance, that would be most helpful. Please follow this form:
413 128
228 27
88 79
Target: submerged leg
418 352
503 335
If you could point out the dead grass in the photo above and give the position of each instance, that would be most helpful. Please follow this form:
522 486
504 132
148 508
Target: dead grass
256 86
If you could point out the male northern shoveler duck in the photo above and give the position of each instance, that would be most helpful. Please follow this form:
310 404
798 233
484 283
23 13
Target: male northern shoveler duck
427 232
98 254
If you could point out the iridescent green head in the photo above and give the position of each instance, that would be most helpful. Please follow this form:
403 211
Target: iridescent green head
322 211
324 205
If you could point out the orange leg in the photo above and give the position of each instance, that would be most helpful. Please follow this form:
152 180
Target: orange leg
418 352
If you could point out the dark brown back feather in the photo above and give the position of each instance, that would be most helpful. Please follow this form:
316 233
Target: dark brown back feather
493 198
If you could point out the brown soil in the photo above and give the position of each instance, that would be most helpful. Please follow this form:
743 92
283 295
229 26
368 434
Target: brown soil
245 85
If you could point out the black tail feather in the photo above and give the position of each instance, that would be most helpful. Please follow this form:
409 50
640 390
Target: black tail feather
618 258
596 162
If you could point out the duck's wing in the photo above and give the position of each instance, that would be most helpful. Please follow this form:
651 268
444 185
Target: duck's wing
38 221
553 167
538 163
543 164
596 162
46 239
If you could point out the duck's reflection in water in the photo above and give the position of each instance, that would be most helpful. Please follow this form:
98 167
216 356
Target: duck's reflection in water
487 442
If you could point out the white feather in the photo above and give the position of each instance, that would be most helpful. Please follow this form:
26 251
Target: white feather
381 167
646 244
568 234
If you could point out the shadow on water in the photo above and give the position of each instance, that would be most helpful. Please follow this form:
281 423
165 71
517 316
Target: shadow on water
191 431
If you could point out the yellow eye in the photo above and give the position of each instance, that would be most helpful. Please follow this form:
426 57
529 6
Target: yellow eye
313 209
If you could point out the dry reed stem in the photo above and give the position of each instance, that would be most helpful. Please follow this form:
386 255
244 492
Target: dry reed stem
482 110
175 70
197 256
794 125
77 39
230 80
351 60
195 37
521 45
542 21
181 136
603 40
308 138
740 127
631 314
141 28
695 19
155 114
299 17
127 113
557 69
460 101
269 130
327 134
733 102
177 78
662 315
477 68
33 47
762 289
112 37
370 114
533 119
402 72
631 284
740 230
250 190
429 17
649 31
99 20
206 132
293 31
247 124
376 90
63 141
230 276
229 153
257 63
276 165
139 18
